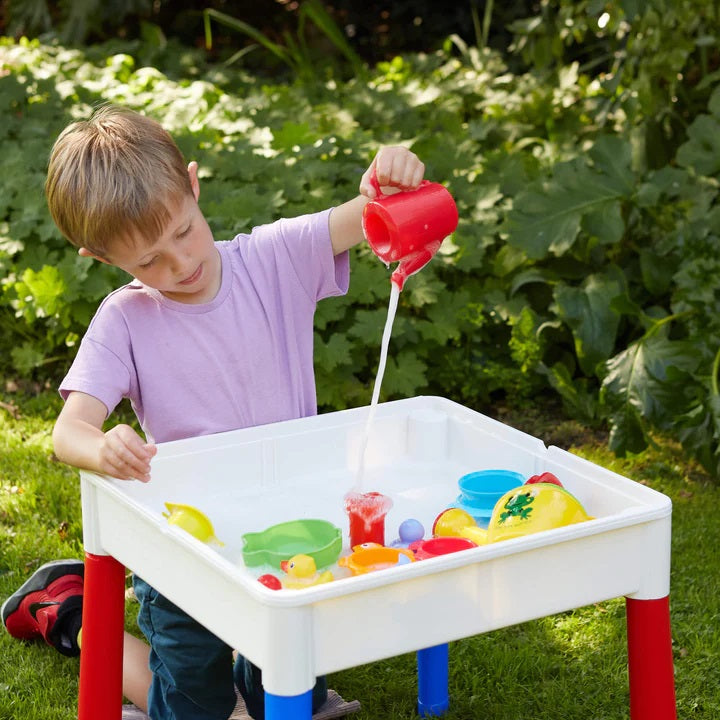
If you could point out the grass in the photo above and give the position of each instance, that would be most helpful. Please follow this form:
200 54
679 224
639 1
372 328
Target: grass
570 666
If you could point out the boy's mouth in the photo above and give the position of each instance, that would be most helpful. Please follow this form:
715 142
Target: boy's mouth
193 278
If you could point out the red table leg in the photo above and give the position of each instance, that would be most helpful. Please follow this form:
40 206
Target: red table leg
102 639
650 661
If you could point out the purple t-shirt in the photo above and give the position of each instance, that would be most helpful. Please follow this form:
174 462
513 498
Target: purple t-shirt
243 359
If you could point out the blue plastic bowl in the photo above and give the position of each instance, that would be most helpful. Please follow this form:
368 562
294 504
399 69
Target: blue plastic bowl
482 489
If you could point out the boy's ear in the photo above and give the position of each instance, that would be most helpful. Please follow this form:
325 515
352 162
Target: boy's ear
194 181
84 252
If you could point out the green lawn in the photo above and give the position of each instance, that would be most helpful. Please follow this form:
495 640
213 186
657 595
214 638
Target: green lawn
571 666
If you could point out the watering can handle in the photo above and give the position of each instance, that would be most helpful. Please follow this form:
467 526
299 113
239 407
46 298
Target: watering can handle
376 185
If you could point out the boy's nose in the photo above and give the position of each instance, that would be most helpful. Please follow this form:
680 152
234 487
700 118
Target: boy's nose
180 265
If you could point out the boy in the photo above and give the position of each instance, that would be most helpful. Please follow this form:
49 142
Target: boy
207 337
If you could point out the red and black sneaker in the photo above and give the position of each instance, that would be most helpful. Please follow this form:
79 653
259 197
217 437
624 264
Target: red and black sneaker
48 605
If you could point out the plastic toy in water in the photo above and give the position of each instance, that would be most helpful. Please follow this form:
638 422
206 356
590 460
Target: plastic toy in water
370 559
270 581
319 539
409 227
366 513
532 508
437 546
546 477
480 490
455 522
367 546
302 573
410 531
191 520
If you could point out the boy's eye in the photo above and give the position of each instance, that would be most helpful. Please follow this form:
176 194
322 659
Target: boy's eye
184 232
148 264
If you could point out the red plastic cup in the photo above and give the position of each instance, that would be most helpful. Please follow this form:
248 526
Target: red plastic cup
409 227
366 513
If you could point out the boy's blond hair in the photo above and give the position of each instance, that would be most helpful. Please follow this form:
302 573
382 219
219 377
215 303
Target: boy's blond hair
114 177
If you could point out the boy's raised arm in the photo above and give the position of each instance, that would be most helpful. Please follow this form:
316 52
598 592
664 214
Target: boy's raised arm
79 440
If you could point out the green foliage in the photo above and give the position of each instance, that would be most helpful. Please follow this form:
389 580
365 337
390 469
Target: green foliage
72 20
583 263
296 52
654 60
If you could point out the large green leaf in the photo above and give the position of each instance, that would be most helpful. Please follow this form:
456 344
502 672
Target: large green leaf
627 432
637 376
642 385
584 192
576 396
588 311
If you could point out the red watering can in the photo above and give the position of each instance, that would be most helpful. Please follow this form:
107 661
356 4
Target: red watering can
409 227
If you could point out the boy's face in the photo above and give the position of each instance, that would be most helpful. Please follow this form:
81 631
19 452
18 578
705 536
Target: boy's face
183 263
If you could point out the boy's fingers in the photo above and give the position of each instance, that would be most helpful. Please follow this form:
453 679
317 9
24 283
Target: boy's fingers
387 165
413 175
130 465
393 167
366 187
418 174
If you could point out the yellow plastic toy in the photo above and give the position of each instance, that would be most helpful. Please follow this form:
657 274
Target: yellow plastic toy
369 557
302 572
191 520
532 508
458 523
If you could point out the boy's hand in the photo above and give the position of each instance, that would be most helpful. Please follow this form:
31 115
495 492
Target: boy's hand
394 167
78 440
125 455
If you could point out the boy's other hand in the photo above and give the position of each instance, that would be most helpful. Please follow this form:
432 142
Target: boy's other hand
395 167
126 455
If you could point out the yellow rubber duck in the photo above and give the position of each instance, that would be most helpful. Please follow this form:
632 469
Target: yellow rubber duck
302 572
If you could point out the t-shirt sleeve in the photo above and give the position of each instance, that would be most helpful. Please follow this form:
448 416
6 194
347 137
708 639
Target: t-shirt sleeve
101 367
301 247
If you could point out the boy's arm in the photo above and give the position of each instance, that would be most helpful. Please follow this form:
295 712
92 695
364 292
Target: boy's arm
396 168
79 440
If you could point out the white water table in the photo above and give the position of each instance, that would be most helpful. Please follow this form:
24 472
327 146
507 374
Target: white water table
248 480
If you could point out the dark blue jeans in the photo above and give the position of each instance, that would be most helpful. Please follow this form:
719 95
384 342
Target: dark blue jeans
193 674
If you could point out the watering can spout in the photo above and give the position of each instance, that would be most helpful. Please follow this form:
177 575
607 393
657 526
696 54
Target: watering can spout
410 266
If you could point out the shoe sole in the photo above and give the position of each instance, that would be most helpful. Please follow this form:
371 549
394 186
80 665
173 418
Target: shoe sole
39 580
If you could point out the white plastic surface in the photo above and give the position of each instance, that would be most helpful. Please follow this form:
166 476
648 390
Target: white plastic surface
248 480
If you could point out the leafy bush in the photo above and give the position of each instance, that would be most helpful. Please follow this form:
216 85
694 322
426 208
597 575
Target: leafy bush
582 264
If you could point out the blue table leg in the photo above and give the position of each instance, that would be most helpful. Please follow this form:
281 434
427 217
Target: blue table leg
433 681
292 707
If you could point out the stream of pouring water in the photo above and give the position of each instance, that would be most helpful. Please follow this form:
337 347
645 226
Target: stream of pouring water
392 309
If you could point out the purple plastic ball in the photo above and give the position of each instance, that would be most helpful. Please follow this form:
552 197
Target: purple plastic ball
411 530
